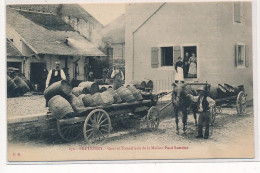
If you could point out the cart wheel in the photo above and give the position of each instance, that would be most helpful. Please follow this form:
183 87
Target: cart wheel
213 113
152 118
69 132
241 103
97 127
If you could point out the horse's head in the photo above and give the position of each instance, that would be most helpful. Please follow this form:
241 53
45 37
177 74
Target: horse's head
179 89
180 95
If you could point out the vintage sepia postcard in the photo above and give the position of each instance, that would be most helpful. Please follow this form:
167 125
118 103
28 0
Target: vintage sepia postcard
129 81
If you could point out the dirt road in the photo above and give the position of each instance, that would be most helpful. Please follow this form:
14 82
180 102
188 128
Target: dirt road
231 137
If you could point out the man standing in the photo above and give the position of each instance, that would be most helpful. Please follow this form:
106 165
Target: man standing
55 75
118 77
204 104
186 64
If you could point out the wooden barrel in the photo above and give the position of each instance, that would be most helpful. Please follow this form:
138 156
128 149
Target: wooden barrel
139 84
99 81
78 91
218 92
213 92
81 96
146 95
91 87
105 98
125 94
103 88
21 85
116 97
136 93
75 83
76 103
11 88
60 107
240 88
88 101
222 91
149 84
230 89
62 88
11 84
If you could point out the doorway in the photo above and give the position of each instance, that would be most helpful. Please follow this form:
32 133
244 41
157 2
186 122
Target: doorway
190 69
38 74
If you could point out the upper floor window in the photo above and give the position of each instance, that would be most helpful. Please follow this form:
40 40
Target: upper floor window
238 12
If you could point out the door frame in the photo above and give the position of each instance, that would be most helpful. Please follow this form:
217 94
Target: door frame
198 58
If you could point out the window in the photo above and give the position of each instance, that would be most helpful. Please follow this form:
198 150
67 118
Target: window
170 55
238 12
166 56
240 55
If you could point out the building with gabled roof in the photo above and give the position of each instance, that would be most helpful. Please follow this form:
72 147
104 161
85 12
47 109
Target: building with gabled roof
45 37
218 33
15 59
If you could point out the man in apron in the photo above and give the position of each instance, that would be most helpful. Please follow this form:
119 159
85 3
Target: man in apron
118 77
55 75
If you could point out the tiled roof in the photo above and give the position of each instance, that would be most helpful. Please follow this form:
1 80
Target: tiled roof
46 40
72 10
11 49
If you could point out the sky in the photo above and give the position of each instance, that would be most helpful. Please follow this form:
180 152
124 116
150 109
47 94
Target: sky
105 13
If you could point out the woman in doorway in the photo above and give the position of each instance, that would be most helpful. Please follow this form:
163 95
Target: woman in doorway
179 71
193 66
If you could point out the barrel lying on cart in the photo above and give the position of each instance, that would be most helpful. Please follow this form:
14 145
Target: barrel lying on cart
96 121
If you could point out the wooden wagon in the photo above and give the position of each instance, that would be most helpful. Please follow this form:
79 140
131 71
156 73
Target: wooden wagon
95 122
235 99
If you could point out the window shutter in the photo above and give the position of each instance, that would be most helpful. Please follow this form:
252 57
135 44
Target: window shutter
176 53
154 57
237 12
246 56
235 54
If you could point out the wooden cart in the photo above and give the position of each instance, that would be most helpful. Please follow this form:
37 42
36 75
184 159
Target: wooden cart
237 101
95 122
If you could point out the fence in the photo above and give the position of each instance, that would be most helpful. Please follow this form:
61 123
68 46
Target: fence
163 85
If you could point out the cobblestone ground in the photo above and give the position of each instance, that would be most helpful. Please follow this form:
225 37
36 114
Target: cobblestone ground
26 105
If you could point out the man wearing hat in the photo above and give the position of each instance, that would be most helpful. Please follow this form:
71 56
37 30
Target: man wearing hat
204 103
55 75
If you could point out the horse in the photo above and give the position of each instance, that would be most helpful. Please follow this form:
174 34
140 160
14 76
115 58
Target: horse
182 102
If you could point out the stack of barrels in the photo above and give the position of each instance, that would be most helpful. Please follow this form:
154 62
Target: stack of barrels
144 86
65 101
16 87
224 90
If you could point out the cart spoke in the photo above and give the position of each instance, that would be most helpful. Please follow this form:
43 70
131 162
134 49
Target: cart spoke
89 130
104 125
104 130
100 118
66 131
89 125
91 134
103 121
102 134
